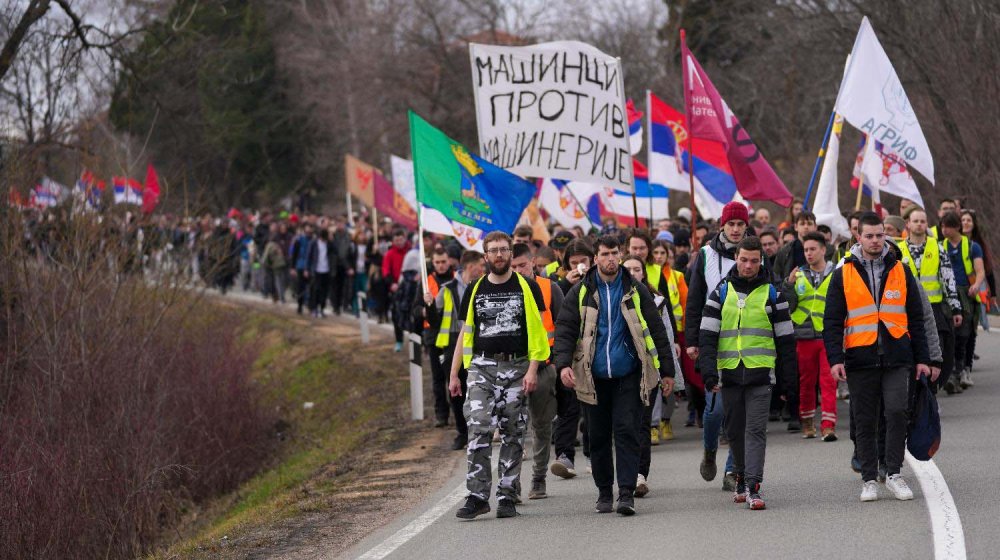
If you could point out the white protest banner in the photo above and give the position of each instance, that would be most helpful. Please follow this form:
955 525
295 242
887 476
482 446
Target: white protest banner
552 110
871 98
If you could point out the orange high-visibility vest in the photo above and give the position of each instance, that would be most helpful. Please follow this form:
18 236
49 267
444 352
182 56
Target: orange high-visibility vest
432 285
550 326
863 315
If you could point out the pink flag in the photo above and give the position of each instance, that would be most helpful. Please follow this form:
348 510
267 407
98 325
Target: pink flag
392 204
709 118
151 194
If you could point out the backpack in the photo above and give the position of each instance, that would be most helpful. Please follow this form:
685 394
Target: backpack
924 436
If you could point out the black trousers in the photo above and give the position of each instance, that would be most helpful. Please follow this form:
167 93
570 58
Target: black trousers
341 285
613 424
868 387
439 382
645 436
320 288
301 289
567 421
458 402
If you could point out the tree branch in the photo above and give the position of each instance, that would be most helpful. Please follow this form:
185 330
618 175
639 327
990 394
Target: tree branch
36 10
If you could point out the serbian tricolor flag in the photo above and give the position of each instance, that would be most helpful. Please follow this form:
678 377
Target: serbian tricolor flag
90 188
634 127
711 119
151 191
650 200
714 184
127 190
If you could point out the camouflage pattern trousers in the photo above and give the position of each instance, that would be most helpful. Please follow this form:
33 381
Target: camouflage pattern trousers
495 401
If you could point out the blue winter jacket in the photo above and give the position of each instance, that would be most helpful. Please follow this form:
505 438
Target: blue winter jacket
614 355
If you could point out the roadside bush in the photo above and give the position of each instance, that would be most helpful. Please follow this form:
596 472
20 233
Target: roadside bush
121 401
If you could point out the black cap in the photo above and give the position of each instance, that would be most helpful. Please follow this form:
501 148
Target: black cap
561 239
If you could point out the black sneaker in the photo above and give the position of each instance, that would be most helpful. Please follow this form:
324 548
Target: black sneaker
473 508
794 426
626 502
739 489
729 482
459 443
440 422
604 501
774 416
505 508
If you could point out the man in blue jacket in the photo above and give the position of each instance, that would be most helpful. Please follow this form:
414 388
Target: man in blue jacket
611 346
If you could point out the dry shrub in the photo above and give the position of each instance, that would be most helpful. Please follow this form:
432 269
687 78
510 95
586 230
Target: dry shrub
121 401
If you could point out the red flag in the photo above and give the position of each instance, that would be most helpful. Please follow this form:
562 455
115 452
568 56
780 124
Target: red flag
709 118
151 194
392 204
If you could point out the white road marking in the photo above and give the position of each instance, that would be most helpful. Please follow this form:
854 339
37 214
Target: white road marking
946 525
400 537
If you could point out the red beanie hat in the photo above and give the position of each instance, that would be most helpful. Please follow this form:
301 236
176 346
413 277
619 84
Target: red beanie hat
734 211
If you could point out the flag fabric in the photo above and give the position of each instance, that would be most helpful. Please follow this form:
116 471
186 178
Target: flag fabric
360 178
151 190
391 204
402 179
826 205
44 195
463 187
649 199
884 171
714 185
127 190
532 217
118 184
90 189
872 99
634 127
710 118
15 200
435 222
569 208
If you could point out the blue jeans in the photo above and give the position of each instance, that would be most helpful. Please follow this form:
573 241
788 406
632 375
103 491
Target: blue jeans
712 421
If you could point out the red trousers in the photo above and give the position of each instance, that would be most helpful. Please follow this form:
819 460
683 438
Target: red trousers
691 377
814 367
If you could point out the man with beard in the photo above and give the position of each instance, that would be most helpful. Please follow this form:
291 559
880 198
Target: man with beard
503 344
612 347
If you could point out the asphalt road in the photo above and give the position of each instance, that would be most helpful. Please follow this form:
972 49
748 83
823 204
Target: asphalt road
813 507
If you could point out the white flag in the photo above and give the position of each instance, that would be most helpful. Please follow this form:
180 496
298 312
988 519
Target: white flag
871 98
826 205
564 206
403 180
435 222
886 172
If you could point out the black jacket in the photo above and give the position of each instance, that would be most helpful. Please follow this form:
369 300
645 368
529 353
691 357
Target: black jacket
698 290
887 351
568 322
786 368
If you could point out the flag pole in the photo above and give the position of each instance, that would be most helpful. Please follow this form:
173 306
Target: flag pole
420 206
630 168
861 179
375 225
690 143
819 159
649 151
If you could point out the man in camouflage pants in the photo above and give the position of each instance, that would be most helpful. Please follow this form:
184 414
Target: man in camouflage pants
503 345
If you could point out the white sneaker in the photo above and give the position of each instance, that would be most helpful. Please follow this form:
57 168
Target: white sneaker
899 488
869 492
641 488
966 378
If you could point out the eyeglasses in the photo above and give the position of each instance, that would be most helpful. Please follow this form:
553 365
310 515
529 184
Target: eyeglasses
498 251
